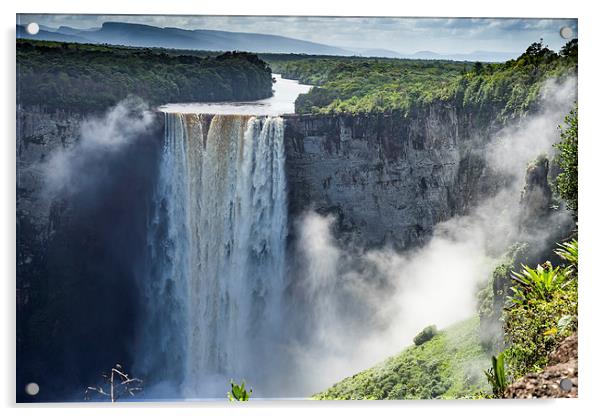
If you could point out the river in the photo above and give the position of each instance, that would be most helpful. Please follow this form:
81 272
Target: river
282 102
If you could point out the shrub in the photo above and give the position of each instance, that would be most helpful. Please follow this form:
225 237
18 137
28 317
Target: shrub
425 335
534 329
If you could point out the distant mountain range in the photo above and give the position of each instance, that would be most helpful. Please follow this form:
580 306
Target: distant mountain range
131 34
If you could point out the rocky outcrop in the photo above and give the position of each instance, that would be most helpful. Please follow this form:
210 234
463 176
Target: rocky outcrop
558 380
536 199
387 178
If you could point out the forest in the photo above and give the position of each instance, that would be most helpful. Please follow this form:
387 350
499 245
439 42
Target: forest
83 77
354 85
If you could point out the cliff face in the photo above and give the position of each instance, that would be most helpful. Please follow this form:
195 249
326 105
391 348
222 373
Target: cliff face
387 178
78 253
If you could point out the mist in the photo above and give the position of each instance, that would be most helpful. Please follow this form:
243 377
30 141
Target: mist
366 305
65 170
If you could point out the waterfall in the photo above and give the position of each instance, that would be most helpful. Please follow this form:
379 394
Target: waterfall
216 252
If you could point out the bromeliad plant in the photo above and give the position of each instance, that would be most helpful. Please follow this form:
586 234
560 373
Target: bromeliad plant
569 251
539 283
496 376
238 392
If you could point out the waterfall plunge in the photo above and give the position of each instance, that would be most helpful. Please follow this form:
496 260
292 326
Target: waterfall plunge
216 253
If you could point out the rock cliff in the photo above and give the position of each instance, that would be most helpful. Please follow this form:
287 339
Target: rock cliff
78 254
387 178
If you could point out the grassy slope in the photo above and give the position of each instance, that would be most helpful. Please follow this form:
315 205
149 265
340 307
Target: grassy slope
448 366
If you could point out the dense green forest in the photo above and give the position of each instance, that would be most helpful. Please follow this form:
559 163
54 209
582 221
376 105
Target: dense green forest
84 77
361 85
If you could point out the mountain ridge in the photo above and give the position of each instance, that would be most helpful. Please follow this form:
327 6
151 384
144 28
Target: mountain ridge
142 35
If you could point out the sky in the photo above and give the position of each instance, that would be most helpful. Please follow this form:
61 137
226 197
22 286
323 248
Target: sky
399 34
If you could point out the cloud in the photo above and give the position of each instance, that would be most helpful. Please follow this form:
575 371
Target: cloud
404 35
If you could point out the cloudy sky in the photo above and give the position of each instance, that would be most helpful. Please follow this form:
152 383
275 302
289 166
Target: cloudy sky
403 35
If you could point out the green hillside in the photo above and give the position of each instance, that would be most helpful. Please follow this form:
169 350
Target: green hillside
448 366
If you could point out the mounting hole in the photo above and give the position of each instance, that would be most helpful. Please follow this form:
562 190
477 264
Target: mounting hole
566 32
32 389
32 28
566 384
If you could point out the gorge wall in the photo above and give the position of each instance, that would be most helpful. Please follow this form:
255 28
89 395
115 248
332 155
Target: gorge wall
387 179
78 250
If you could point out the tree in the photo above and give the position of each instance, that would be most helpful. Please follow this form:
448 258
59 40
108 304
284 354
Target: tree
567 159
115 385
570 49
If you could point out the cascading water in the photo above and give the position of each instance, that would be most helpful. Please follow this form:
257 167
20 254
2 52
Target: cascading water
216 252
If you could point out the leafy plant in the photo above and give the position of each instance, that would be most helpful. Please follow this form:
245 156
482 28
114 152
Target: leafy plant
538 283
238 392
496 375
569 251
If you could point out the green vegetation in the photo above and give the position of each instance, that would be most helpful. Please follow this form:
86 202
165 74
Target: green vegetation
534 327
567 159
569 252
489 91
425 335
496 375
358 85
540 283
83 77
453 363
238 392
448 366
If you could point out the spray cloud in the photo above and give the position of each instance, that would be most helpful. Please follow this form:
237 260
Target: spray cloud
66 168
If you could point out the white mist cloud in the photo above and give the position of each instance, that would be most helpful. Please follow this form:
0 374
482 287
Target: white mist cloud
366 306
98 138
515 146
